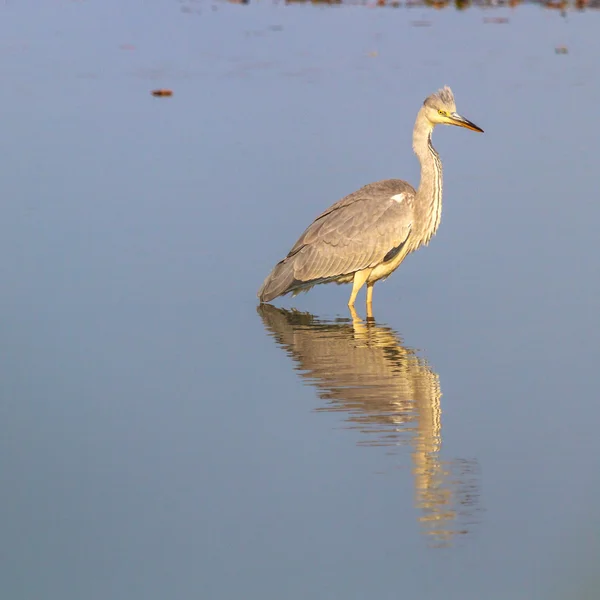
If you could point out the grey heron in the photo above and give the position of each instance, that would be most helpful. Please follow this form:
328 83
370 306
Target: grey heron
365 236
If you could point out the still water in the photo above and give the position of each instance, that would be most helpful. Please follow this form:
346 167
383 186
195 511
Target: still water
162 437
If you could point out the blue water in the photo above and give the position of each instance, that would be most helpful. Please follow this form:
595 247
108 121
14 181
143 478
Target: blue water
160 438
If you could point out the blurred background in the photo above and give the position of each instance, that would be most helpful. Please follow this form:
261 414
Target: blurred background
163 436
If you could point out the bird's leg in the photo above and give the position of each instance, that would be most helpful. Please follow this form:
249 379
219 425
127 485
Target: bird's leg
355 318
370 300
359 280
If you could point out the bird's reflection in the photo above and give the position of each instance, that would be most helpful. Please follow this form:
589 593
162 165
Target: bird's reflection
390 395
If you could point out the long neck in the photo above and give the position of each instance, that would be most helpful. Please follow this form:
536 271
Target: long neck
429 195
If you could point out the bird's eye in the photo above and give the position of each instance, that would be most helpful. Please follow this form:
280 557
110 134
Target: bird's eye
442 112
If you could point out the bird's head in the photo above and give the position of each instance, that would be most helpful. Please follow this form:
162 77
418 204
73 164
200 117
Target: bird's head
440 109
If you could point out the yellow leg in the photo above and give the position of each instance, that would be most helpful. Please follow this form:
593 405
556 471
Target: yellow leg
355 318
359 280
370 300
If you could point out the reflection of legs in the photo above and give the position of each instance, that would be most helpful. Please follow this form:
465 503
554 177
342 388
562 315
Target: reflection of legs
359 280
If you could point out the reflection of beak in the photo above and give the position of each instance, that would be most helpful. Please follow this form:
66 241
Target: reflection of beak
456 119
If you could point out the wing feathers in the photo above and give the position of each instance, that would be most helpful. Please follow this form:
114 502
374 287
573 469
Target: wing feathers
357 232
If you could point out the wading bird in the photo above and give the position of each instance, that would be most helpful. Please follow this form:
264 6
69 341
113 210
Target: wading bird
365 236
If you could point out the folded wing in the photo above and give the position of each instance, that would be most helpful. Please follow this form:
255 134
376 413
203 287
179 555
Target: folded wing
360 231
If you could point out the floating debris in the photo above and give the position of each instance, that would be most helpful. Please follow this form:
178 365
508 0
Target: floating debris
162 93
561 50
497 20
556 4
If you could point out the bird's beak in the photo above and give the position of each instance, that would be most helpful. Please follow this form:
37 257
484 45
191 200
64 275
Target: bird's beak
456 119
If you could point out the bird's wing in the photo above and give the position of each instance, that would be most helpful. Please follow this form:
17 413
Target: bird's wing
357 232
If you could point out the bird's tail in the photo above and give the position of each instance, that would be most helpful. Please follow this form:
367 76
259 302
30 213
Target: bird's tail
280 281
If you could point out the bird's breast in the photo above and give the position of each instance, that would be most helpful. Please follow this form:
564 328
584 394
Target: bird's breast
385 269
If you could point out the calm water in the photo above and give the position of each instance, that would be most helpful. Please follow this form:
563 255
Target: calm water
162 438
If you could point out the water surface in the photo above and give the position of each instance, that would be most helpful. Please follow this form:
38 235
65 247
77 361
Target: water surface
163 439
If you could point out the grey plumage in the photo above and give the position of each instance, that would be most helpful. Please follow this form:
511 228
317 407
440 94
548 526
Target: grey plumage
340 241
365 236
